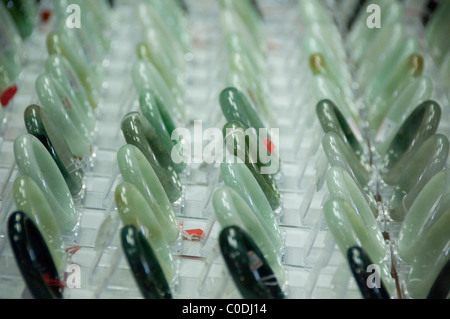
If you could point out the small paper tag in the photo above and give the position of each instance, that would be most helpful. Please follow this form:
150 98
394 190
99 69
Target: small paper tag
8 95
255 261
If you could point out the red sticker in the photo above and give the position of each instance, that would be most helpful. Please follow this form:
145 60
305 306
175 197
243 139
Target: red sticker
46 15
8 95
194 233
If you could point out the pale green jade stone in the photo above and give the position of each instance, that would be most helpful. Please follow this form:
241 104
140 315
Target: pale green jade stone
150 105
340 154
60 70
436 32
136 170
431 253
314 11
235 44
349 230
342 185
237 176
79 140
146 77
429 208
30 200
429 159
33 160
231 210
134 210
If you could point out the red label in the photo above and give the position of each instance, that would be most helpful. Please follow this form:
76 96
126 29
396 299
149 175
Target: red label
194 233
8 95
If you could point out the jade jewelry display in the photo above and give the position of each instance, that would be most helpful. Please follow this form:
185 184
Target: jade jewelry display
226 149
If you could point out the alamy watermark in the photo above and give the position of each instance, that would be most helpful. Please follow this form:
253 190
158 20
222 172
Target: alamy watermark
374 19
73 20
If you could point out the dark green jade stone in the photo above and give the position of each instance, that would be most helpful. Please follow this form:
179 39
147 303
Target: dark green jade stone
138 132
359 262
332 120
247 265
238 144
441 286
144 265
33 258
39 124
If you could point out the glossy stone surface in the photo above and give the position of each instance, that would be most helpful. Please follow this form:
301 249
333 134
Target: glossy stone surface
340 154
146 77
134 210
417 128
76 135
231 210
350 230
154 110
38 123
247 266
33 160
430 207
24 14
359 263
137 132
30 200
435 32
427 161
144 264
238 177
33 257
238 144
136 170
332 120
441 286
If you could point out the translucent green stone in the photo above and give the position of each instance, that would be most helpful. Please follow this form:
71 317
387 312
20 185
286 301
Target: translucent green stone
24 14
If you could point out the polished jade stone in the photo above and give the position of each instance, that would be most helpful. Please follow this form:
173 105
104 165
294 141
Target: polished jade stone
75 134
435 33
332 120
173 77
154 110
355 12
359 263
134 210
411 94
136 170
144 264
146 77
30 200
237 176
247 266
238 144
24 14
430 159
439 290
33 160
39 124
350 230
431 254
314 11
70 86
235 43
422 123
339 153
137 132
429 207
230 209
33 257
60 43
342 185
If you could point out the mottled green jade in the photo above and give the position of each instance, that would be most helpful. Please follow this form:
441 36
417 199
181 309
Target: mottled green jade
33 258
350 230
332 120
75 133
138 132
339 153
146 76
230 209
430 159
68 85
342 185
417 128
247 266
134 210
33 160
144 264
237 176
238 144
136 170
30 200
24 13
154 110
39 124
429 208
